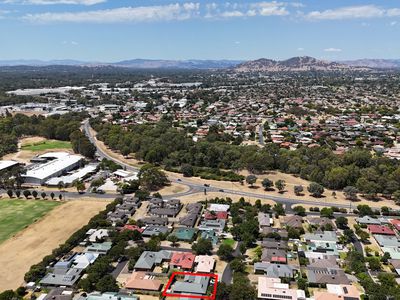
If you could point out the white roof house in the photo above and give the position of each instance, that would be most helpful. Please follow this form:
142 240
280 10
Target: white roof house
219 207
83 260
205 263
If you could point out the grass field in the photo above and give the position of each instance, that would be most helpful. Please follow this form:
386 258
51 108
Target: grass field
15 215
47 145
229 242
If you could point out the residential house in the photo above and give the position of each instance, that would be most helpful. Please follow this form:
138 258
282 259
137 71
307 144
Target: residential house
292 221
326 275
100 248
151 230
274 244
273 289
96 235
380 229
191 285
111 296
367 220
217 225
142 281
214 215
204 263
274 256
218 207
182 260
61 277
275 270
155 221
149 259
185 234
338 292
264 220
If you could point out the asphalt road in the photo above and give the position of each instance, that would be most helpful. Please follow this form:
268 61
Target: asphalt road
227 275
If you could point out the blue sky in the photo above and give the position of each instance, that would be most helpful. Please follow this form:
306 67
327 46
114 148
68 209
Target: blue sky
112 30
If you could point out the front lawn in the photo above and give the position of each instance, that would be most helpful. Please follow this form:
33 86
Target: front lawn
229 242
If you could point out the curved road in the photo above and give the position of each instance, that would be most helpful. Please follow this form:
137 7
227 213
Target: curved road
198 188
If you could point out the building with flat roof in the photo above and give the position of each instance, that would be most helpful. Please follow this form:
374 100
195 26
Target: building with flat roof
57 164
6 165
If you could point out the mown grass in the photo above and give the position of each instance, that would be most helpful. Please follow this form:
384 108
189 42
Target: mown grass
47 145
16 214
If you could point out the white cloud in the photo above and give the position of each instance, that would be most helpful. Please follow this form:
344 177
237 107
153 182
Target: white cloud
393 23
122 14
51 2
232 14
73 43
300 49
333 50
353 12
350 12
393 12
270 8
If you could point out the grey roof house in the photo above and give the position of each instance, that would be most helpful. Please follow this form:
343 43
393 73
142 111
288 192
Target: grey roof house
148 260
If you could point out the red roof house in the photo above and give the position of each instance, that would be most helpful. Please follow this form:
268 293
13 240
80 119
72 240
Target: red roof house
220 215
133 228
379 229
183 260
395 223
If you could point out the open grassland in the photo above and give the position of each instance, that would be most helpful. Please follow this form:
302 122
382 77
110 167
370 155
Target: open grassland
46 145
15 215
30 245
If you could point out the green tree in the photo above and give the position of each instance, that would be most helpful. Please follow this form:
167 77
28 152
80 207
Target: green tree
107 284
327 212
300 210
237 265
315 189
173 239
342 222
267 184
152 178
35 194
26 193
52 195
10 193
298 190
43 195
251 179
18 193
350 193
80 186
280 185
202 247
225 252
187 170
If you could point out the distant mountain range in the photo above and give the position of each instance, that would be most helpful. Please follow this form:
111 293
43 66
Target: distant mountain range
294 64
134 63
374 63
302 63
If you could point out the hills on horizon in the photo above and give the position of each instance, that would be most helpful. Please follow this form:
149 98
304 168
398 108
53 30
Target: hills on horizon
300 63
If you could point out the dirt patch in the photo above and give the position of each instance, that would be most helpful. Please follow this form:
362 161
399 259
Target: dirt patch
174 188
29 246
